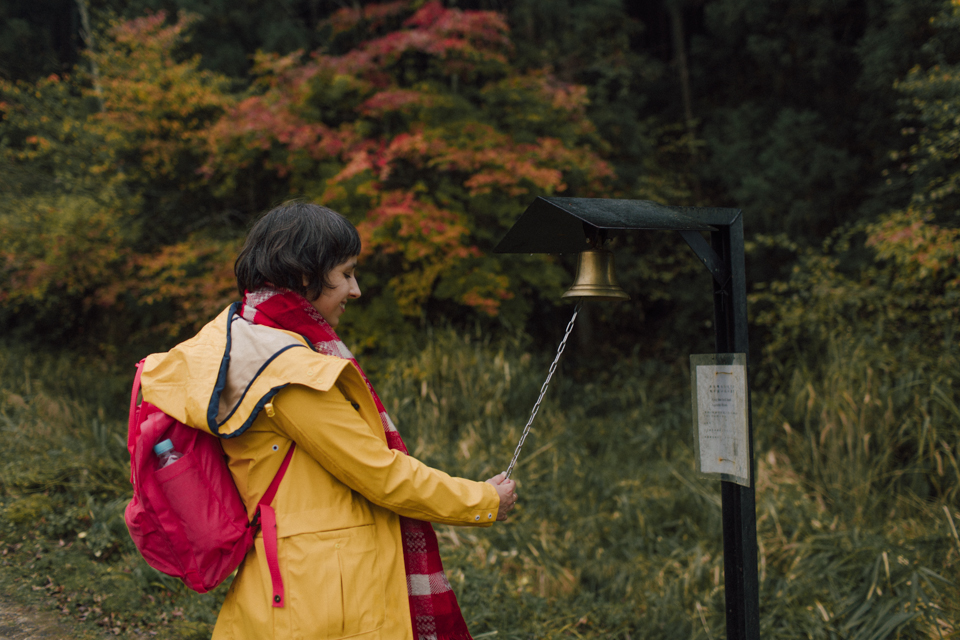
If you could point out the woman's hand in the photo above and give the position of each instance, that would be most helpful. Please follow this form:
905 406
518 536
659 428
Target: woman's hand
506 489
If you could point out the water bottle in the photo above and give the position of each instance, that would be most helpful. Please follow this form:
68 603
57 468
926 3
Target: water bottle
166 453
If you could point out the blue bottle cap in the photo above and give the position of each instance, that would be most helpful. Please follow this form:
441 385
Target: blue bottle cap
162 447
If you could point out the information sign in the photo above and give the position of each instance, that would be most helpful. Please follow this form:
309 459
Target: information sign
720 432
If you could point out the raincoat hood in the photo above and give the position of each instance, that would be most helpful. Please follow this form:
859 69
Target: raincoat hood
220 380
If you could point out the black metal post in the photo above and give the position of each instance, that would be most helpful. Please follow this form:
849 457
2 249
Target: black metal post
739 502
560 225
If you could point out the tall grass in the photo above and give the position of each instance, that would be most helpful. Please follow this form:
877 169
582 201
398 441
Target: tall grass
874 422
613 517
614 536
872 435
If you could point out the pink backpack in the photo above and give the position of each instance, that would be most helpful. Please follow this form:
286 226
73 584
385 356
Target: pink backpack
188 519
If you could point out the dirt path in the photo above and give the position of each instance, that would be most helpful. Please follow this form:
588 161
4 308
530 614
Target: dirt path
27 622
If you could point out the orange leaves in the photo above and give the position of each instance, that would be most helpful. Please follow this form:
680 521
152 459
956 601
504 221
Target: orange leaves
496 161
371 15
430 241
480 158
484 159
456 40
65 252
57 248
151 30
483 30
423 134
489 305
392 100
261 125
280 126
363 157
911 240
40 124
433 244
70 231
40 143
400 223
406 133
194 276
571 100
153 104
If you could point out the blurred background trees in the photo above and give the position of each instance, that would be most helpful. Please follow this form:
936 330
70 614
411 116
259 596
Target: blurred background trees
140 139
155 139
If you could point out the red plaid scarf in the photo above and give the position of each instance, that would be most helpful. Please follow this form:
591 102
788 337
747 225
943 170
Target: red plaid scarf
433 606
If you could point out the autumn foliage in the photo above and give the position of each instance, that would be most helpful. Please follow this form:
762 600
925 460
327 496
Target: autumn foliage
155 110
419 130
125 193
99 186
413 123
425 136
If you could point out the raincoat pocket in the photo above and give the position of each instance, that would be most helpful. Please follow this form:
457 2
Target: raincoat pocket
336 585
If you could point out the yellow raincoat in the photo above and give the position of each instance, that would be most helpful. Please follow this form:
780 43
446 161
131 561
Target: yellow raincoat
340 553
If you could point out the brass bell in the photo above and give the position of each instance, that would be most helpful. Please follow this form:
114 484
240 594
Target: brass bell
595 278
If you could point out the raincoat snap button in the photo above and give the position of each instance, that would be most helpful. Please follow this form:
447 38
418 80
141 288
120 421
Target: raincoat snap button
276 447
276 598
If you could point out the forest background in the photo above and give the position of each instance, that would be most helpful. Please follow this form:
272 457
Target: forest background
140 139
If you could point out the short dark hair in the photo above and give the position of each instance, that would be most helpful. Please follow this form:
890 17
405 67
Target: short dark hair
292 242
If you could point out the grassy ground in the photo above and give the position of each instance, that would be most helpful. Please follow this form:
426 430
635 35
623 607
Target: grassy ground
615 537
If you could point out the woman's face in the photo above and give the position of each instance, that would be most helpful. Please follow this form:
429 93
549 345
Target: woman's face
333 301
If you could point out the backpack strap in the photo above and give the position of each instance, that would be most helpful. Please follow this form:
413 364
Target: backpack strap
136 391
268 525
133 422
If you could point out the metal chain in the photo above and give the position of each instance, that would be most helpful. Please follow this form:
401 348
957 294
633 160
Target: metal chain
543 389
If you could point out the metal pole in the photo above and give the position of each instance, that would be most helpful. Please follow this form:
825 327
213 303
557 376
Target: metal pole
739 502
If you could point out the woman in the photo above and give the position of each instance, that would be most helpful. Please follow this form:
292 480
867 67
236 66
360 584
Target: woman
357 556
